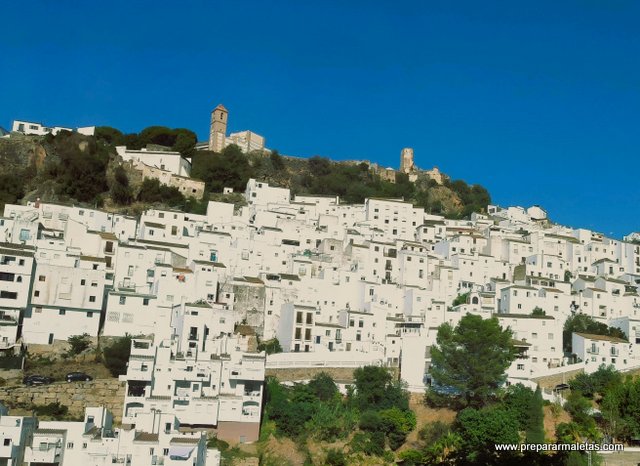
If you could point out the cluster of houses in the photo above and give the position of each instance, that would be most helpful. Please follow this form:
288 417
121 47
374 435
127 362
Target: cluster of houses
337 284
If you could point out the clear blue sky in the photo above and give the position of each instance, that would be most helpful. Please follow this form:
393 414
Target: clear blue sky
538 101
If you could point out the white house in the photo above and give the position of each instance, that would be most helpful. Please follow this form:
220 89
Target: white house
15 433
594 350
169 161
94 441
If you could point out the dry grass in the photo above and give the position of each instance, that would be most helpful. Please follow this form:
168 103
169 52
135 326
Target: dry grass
425 415
551 421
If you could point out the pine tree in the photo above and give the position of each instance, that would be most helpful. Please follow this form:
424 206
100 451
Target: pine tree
535 421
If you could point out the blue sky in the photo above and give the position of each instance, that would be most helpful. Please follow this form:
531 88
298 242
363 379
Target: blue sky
538 101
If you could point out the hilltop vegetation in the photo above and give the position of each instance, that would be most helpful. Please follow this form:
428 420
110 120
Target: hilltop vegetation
70 167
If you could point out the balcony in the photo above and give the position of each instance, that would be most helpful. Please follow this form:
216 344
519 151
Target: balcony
127 285
595 351
44 453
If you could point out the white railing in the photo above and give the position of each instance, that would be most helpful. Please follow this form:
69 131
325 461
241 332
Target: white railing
290 364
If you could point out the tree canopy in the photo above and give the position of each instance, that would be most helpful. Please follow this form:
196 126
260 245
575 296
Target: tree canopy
586 324
472 357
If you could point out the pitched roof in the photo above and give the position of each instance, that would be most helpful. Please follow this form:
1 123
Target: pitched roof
591 336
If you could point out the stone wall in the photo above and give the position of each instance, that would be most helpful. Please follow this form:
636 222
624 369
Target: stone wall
550 381
75 395
189 187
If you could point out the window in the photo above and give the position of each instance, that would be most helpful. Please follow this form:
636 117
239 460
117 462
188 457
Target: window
62 312
92 299
83 282
123 300
7 442
90 314
145 301
42 278
7 277
8 295
84 445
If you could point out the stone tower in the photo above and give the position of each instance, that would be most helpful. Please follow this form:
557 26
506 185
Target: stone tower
218 130
406 160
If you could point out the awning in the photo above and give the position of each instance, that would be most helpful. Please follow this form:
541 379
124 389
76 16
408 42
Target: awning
180 452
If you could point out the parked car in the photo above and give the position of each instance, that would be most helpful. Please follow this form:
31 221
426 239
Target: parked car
37 380
78 377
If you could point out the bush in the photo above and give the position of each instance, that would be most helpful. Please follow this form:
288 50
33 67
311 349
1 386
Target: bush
152 191
52 409
228 169
78 343
78 166
323 387
116 355
120 189
335 457
276 160
270 346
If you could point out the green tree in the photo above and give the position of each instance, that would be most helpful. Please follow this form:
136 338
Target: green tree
323 387
518 400
335 457
621 409
78 343
472 357
375 389
579 408
535 420
77 165
229 169
596 382
185 142
276 160
11 189
319 166
270 346
586 324
538 312
152 191
109 135
481 429
120 189
460 299
397 425
116 355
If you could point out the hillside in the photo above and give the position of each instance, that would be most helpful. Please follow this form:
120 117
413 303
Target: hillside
85 170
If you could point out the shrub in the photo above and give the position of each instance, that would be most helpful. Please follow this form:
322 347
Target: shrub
78 343
52 409
335 457
116 355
